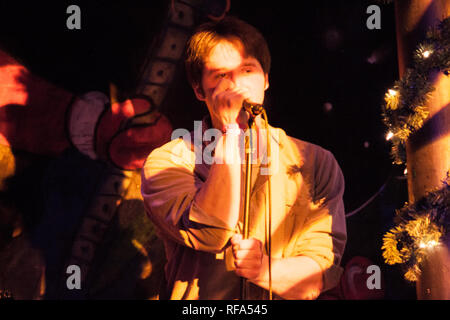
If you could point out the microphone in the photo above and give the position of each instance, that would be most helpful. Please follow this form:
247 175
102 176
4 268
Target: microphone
254 109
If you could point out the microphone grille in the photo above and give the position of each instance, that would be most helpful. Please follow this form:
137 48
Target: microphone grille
253 108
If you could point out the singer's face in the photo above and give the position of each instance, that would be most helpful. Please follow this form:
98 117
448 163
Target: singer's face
228 66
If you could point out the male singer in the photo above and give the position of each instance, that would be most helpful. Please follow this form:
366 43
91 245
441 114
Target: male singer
197 205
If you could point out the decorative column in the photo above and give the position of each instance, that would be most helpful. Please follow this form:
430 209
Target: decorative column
428 149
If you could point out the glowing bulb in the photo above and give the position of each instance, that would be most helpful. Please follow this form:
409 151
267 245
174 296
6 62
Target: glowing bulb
429 244
426 54
405 172
392 92
389 135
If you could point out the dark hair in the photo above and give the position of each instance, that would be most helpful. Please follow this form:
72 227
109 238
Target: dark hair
207 35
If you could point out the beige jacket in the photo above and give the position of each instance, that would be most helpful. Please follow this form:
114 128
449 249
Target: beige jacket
307 216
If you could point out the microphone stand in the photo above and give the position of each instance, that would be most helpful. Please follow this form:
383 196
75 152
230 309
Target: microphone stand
247 188
254 110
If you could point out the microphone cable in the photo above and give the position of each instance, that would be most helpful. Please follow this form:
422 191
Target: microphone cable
269 218
255 110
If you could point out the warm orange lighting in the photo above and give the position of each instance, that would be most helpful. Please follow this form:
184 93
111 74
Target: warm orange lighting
147 265
42 285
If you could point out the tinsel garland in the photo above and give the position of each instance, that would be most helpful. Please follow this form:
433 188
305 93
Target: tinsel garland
419 227
404 110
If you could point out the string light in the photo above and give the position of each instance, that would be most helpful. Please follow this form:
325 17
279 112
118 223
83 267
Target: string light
392 92
424 50
429 244
405 107
426 53
389 135
423 234
421 225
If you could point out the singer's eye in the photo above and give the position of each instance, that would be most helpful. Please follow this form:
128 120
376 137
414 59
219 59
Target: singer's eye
247 69
221 75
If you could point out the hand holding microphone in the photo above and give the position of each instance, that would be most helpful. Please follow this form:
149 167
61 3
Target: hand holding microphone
229 103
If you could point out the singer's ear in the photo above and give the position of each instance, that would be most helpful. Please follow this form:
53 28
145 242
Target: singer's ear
199 93
266 83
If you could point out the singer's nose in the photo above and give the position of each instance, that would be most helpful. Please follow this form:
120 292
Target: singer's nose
228 84
235 78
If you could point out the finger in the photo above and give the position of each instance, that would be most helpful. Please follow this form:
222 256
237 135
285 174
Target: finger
247 264
240 93
248 244
225 97
247 254
244 92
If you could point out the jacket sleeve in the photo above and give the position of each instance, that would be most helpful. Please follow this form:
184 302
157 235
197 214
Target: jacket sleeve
324 233
169 185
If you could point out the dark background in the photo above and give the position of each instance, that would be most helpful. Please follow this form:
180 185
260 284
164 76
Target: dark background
322 54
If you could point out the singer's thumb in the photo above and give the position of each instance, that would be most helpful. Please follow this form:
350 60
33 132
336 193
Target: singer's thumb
236 239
